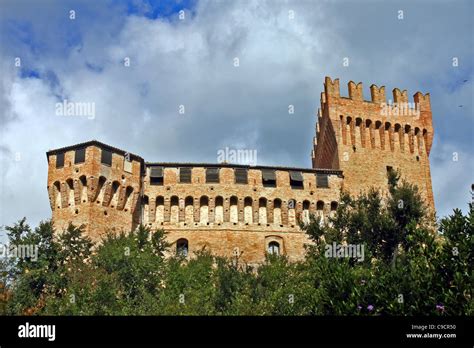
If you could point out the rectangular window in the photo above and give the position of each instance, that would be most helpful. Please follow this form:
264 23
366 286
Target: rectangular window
106 157
268 178
212 175
80 155
296 180
185 175
60 160
322 181
156 176
241 175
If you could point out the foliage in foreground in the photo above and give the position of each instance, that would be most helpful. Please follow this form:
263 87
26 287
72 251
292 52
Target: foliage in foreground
407 269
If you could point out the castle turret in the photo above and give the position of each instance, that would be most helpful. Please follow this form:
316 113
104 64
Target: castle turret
367 138
95 185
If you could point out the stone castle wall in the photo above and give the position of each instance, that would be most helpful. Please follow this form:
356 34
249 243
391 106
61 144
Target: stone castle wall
109 190
365 138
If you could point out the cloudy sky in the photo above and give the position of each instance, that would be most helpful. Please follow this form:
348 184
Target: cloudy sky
284 49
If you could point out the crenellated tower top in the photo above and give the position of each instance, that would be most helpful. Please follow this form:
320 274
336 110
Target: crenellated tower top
362 136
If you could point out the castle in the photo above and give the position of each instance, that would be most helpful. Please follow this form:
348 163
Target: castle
248 211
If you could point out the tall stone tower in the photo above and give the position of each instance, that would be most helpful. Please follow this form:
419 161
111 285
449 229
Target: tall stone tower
365 139
95 185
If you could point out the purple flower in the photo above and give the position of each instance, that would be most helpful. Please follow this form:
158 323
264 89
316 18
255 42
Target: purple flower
440 307
370 308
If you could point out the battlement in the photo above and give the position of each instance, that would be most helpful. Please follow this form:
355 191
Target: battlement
221 207
247 210
364 137
95 185
332 91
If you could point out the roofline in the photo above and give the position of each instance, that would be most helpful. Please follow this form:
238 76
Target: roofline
183 164
94 143
230 165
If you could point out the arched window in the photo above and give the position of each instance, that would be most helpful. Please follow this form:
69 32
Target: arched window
182 247
83 181
262 210
101 189
174 210
219 210
388 128
418 140
277 211
320 208
349 127
292 212
359 131
305 216
379 137
160 209
369 133
114 194
204 209
57 194
248 218
70 192
146 209
273 248
398 129
333 209
425 137
343 130
409 139
234 210
189 210
128 198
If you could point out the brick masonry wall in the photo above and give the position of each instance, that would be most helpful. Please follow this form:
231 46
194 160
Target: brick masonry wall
368 141
86 189
222 237
354 141
95 195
